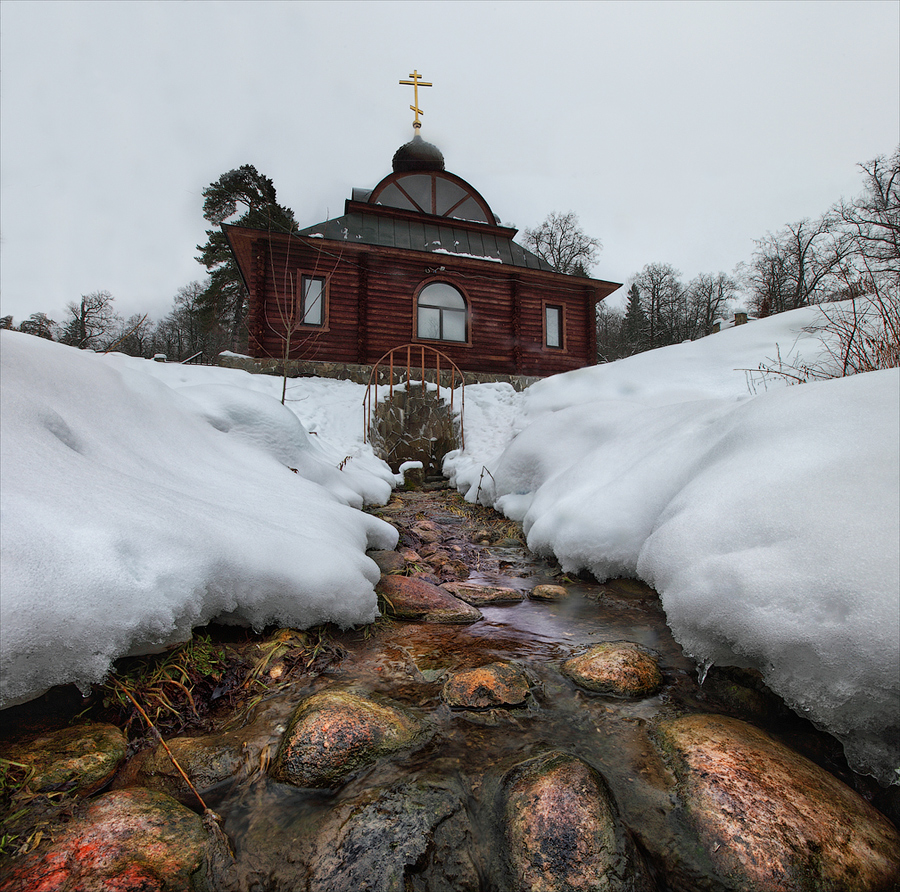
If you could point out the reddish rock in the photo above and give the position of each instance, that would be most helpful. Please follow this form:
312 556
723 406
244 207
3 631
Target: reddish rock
771 820
407 597
79 759
562 831
616 667
388 561
426 531
336 732
549 593
479 595
498 684
131 840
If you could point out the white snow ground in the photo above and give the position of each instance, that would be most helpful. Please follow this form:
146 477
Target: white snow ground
139 499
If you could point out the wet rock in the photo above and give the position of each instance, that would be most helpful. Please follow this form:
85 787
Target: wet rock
479 595
410 556
406 597
744 691
79 759
437 558
616 667
549 593
336 732
455 569
562 829
427 531
208 761
388 561
769 819
123 841
415 836
499 684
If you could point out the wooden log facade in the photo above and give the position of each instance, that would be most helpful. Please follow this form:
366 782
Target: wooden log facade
351 289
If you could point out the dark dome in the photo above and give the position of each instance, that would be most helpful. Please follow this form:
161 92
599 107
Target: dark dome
418 155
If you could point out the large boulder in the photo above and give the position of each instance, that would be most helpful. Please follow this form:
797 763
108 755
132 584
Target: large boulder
495 685
207 760
481 595
772 821
413 836
123 841
336 732
562 830
549 592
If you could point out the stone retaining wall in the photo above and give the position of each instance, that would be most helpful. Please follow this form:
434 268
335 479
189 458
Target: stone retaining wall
361 374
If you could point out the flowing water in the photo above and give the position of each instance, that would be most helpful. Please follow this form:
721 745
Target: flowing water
467 751
429 818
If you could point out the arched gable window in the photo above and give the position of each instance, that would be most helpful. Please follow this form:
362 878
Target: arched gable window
441 313
438 193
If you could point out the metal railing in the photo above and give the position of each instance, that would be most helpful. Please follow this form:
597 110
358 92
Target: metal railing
370 404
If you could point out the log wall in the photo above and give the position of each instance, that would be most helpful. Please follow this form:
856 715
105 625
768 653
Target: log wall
371 307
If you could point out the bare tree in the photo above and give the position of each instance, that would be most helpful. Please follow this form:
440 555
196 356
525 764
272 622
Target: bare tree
708 297
135 337
872 221
92 322
561 242
662 296
298 308
611 344
797 266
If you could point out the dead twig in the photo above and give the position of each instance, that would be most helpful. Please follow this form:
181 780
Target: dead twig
169 753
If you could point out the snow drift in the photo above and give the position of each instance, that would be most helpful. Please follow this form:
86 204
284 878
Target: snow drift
132 512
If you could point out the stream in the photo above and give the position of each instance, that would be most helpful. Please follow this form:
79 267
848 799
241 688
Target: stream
434 815
468 751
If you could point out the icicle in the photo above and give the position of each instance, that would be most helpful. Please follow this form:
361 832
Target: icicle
702 669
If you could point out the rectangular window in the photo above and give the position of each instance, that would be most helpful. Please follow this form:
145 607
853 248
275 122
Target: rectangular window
312 297
553 326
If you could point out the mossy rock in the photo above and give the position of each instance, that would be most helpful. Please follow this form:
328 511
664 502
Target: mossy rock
79 759
336 732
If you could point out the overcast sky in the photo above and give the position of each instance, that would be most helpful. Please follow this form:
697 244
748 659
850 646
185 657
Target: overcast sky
677 132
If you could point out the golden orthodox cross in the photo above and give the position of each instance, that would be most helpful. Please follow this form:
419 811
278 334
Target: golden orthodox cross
415 83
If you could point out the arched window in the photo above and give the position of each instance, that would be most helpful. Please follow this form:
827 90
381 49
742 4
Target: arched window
441 313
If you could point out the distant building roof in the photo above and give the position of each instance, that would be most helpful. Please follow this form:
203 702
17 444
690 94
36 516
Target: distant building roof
435 234
422 207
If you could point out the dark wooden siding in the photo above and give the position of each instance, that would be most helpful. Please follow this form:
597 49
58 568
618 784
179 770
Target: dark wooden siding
371 307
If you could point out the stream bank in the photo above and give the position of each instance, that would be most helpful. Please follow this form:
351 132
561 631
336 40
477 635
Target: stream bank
421 767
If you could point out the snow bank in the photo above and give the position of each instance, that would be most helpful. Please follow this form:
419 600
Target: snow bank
132 511
768 520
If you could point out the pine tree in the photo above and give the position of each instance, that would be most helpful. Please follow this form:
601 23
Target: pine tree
635 326
225 299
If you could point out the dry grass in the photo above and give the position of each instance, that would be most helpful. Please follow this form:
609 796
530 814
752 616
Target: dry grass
166 684
859 335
